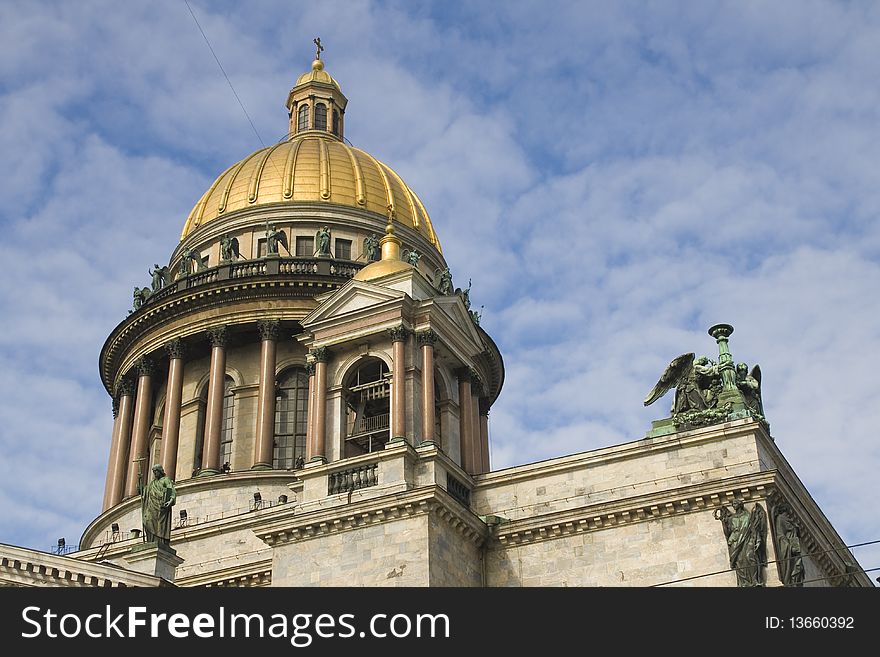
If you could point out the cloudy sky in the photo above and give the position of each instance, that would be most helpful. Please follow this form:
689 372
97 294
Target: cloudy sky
614 177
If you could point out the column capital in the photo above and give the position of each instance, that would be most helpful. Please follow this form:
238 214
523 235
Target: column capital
310 368
175 348
218 335
320 354
469 374
144 366
124 387
269 329
485 405
398 333
427 338
115 405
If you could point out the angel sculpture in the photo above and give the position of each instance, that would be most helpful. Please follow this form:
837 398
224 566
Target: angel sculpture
749 384
229 251
696 383
371 248
159 276
140 296
274 237
411 256
444 284
189 259
322 241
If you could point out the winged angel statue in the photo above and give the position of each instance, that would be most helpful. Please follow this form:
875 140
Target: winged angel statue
229 249
696 382
698 385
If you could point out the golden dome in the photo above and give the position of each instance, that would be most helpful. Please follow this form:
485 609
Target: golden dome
312 168
317 74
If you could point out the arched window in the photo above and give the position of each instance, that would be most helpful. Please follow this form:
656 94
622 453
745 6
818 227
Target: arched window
320 116
367 396
228 415
302 118
335 122
291 418
226 425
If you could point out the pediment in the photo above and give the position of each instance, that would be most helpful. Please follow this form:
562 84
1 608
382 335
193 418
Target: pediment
352 297
453 306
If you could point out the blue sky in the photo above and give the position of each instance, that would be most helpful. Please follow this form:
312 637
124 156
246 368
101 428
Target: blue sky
613 177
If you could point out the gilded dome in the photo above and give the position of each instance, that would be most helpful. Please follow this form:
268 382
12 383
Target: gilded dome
312 168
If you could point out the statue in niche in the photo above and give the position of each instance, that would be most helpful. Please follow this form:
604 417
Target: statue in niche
697 384
787 540
274 237
229 251
322 241
749 384
157 498
371 248
444 280
159 276
746 535
412 257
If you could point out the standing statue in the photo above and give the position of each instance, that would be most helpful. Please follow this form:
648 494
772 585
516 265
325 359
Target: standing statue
786 537
322 241
274 237
159 276
696 383
190 261
412 257
746 534
749 384
371 248
229 249
444 282
157 498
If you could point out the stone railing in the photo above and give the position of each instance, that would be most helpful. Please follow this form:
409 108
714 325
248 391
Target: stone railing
361 476
458 490
342 269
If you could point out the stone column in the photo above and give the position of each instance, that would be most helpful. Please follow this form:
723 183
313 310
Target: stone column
265 438
398 336
476 443
142 408
173 398
484 432
427 340
465 419
310 413
319 427
119 444
214 411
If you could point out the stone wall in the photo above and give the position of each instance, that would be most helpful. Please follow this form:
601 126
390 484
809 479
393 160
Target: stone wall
393 553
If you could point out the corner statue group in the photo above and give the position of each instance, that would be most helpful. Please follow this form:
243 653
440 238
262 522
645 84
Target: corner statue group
157 498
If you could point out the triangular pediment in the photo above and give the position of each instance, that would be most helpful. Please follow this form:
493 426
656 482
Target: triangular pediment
354 296
453 306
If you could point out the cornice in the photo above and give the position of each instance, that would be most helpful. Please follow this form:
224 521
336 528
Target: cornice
417 502
221 294
248 575
667 503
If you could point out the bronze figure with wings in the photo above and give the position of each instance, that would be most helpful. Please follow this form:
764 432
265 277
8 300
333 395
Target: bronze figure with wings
696 382
274 237
229 249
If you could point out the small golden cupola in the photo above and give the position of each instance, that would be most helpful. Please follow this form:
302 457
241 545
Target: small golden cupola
316 102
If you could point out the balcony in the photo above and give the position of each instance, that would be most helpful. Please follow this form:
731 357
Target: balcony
261 267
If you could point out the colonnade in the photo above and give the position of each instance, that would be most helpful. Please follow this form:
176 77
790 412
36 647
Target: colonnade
132 409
